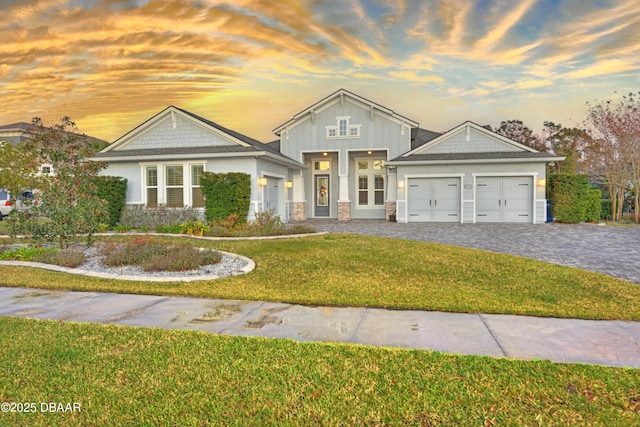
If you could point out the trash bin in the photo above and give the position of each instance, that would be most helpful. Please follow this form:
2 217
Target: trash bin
549 211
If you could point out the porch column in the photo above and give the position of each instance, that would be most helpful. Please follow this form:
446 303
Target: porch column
344 205
299 202
392 194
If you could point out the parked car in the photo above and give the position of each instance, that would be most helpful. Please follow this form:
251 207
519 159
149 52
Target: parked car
23 202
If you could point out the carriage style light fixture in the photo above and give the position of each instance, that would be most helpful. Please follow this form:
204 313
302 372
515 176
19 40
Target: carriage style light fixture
262 181
541 182
401 183
289 184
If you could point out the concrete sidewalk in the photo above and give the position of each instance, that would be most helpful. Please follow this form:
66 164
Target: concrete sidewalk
610 343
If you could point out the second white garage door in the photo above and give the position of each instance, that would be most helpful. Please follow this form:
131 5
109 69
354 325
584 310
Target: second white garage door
434 199
504 199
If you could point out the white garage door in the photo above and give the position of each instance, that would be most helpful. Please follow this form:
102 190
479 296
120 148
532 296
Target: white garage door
433 199
504 199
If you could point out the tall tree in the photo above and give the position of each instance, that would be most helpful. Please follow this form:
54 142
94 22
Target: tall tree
567 142
519 132
614 154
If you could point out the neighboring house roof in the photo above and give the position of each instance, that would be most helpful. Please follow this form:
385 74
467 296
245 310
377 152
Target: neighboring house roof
342 93
22 131
471 143
235 143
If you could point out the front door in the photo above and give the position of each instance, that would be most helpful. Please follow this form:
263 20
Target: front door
322 195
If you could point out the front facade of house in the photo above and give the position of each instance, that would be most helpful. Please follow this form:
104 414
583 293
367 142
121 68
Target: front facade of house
343 158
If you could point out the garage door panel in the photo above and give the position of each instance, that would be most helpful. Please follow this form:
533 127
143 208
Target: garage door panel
434 199
504 199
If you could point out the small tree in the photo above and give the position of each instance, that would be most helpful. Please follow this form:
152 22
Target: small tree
68 204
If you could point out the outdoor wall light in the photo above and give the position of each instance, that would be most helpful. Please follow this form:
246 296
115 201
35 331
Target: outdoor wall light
401 183
289 184
262 181
541 182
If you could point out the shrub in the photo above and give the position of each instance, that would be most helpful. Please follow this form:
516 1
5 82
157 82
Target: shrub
139 216
152 256
65 258
113 190
593 205
226 194
569 194
169 229
196 228
25 253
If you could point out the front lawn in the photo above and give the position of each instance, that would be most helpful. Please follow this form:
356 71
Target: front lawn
122 376
352 270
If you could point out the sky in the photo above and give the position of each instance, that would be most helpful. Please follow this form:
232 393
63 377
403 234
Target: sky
250 65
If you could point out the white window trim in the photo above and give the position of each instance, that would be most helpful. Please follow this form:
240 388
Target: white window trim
371 190
162 187
336 129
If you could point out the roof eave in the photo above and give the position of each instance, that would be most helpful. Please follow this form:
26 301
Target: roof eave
476 161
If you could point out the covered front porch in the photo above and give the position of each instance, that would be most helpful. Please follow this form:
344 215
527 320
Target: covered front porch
344 185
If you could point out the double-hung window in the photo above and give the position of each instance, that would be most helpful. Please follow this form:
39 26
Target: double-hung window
197 201
174 186
371 186
151 178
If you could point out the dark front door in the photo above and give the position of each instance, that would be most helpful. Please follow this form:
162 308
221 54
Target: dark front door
322 195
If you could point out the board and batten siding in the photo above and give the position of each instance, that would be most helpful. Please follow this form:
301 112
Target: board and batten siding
381 133
477 143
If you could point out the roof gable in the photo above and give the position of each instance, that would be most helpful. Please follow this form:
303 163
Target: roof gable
176 128
342 96
470 138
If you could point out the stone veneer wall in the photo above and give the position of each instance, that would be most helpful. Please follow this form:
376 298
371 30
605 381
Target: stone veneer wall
299 211
391 210
344 211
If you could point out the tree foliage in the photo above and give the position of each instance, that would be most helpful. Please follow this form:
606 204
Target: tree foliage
567 142
18 167
68 203
614 152
517 131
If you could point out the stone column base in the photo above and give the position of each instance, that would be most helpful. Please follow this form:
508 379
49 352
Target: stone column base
391 214
344 211
299 211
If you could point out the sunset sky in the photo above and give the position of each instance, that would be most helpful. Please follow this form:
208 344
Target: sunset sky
250 65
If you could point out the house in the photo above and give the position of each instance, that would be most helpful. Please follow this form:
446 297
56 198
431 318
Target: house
343 157
164 157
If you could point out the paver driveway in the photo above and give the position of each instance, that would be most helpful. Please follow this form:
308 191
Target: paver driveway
610 250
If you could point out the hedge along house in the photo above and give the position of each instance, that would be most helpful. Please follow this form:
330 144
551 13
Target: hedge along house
164 157
364 160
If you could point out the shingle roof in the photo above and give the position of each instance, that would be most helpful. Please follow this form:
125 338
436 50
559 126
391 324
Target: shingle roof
177 150
421 136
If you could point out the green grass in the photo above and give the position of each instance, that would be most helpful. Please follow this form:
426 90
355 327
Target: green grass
351 270
135 376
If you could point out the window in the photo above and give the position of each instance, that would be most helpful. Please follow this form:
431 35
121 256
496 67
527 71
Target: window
197 201
322 165
371 185
343 129
174 181
151 173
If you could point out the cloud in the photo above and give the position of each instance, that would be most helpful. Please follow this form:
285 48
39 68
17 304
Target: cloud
607 66
412 76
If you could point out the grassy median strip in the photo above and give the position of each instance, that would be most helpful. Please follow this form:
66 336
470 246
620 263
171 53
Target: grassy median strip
353 270
136 376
